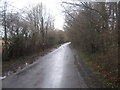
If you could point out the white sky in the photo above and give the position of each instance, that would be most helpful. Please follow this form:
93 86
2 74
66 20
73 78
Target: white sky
53 6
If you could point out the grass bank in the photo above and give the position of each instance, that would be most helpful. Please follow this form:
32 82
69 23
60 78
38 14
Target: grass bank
106 70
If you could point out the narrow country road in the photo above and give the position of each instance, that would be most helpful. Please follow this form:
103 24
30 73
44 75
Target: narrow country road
54 70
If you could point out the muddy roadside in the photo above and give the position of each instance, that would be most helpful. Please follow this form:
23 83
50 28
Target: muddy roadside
91 79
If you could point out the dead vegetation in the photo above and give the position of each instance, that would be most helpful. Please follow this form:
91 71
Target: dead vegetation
92 29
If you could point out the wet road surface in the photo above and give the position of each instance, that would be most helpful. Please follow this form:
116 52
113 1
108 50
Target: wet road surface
54 70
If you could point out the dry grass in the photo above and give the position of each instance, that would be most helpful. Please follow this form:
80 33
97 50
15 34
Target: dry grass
107 66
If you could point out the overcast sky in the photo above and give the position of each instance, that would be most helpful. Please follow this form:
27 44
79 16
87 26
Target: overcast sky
53 6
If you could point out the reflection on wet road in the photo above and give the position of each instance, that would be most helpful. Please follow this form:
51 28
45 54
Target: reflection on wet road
54 70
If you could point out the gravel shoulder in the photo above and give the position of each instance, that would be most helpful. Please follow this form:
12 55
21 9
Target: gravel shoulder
92 80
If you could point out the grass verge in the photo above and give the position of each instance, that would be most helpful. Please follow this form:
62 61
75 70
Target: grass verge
98 67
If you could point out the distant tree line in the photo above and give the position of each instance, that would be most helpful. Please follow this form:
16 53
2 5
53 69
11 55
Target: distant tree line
27 32
92 27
